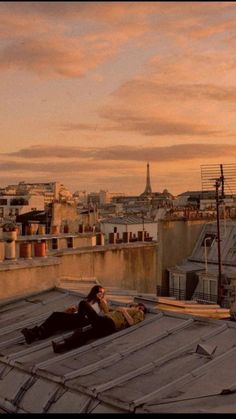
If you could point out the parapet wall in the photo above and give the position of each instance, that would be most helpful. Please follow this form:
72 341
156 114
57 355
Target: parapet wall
177 239
125 266
21 278
130 266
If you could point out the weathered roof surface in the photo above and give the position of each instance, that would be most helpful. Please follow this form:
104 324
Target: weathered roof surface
131 219
168 363
228 243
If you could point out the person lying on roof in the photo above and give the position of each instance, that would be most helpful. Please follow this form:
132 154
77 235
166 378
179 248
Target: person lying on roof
70 319
111 322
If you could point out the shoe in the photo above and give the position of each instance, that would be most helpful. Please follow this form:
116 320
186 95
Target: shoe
41 332
29 336
59 347
33 334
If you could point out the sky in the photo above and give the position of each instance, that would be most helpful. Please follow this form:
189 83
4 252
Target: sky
92 91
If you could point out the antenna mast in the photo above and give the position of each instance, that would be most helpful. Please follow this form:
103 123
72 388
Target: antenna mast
219 182
215 172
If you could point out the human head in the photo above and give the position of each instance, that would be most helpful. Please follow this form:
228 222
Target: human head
92 295
142 307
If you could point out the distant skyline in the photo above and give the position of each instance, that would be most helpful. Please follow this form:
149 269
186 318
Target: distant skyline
92 91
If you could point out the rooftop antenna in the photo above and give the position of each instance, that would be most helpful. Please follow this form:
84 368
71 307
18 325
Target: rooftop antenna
216 173
219 183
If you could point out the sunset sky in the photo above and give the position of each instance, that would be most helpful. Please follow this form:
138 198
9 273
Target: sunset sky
92 91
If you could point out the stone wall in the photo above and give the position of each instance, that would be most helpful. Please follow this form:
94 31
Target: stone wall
67 213
64 213
27 277
177 239
130 266
140 266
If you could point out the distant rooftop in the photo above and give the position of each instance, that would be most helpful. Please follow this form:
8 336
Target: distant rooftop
127 220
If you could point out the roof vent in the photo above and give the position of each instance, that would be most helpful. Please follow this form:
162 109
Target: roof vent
206 349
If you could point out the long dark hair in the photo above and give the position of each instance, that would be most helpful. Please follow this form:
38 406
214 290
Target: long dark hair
93 292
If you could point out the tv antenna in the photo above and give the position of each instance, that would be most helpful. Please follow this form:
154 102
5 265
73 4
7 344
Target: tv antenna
217 178
226 173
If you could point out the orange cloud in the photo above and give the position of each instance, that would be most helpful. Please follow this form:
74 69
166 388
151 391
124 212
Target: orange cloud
50 57
109 27
176 63
176 168
116 153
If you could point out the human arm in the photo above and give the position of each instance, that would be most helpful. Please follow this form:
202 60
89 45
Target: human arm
135 315
126 315
104 306
102 302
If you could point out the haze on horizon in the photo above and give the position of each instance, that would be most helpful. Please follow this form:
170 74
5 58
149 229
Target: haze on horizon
92 91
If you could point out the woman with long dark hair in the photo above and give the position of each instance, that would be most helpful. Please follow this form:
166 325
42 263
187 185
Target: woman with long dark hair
70 319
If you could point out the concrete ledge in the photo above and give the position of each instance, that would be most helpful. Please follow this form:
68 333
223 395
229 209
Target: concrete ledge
99 248
21 263
18 277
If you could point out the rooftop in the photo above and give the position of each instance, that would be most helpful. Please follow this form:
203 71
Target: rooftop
127 220
170 362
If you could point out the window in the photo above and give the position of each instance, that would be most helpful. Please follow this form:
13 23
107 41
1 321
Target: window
55 243
209 289
177 285
70 242
19 201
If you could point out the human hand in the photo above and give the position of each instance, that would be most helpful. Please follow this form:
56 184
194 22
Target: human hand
71 310
121 309
100 295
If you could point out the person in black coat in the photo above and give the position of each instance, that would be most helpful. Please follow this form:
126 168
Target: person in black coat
69 319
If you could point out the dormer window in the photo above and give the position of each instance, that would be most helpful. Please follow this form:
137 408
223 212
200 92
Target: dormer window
208 240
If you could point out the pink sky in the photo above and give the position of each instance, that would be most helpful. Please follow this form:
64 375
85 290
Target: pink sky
92 91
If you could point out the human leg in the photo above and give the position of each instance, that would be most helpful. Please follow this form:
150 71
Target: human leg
101 325
30 335
57 321
77 339
104 327
60 321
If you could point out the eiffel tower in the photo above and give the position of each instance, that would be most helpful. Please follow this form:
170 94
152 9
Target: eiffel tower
148 189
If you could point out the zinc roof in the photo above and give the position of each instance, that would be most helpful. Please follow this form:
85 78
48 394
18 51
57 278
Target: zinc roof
132 219
168 362
227 231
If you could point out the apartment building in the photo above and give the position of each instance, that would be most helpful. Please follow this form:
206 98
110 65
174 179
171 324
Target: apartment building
13 205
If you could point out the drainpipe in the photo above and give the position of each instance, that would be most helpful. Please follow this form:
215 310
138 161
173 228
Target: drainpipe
217 185
205 253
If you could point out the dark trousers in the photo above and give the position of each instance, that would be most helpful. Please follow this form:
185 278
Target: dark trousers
60 321
100 326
